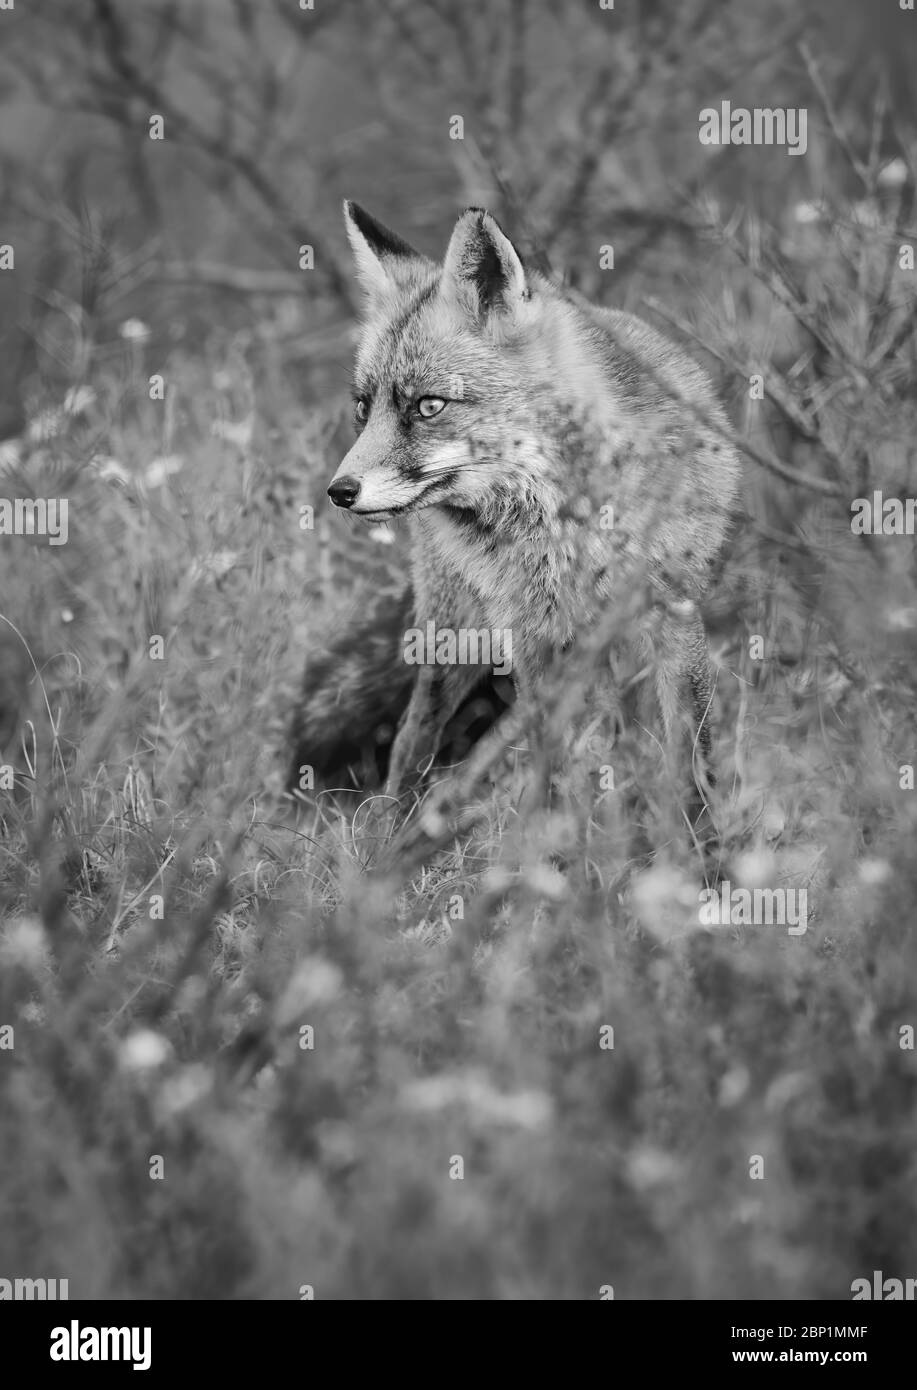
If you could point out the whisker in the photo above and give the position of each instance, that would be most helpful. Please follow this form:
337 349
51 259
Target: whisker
452 468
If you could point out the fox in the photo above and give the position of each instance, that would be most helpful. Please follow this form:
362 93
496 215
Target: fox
545 452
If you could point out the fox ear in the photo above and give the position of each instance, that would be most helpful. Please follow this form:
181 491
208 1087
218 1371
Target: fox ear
382 258
483 270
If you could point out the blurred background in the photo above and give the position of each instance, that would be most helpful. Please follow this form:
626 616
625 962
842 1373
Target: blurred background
166 938
580 129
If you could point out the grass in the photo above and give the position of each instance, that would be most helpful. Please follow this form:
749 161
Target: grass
169 931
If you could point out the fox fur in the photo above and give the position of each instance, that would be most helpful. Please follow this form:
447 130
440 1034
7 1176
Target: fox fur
548 454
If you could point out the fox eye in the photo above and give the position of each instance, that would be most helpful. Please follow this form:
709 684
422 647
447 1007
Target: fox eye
428 406
360 411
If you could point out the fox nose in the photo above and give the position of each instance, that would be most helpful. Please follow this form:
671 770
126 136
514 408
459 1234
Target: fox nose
344 492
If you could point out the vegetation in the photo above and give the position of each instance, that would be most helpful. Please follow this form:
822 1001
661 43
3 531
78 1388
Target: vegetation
235 1061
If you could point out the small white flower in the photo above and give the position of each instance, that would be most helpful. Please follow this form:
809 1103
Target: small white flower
900 619
807 212
756 868
315 981
872 872
649 1167
134 331
893 174
24 943
189 1087
664 901
547 882
144 1050
156 473
733 1086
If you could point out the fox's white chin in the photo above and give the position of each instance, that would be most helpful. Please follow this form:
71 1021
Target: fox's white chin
398 509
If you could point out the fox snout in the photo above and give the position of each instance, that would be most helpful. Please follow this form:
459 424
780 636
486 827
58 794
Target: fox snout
344 491
363 484
371 480
370 490
374 481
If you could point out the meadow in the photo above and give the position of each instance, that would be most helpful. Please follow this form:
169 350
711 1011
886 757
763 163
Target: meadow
240 1060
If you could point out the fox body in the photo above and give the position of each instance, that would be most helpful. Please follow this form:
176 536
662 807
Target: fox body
544 452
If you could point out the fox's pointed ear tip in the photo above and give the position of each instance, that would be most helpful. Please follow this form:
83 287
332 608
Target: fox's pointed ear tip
482 216
356 214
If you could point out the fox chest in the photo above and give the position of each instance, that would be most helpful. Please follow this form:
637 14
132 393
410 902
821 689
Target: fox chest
511 582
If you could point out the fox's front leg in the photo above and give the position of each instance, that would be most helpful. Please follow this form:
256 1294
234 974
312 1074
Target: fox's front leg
450 798
438 692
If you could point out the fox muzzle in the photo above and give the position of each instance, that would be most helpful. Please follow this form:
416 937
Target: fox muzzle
344 491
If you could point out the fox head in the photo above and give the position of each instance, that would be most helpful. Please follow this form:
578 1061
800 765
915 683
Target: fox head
448 373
